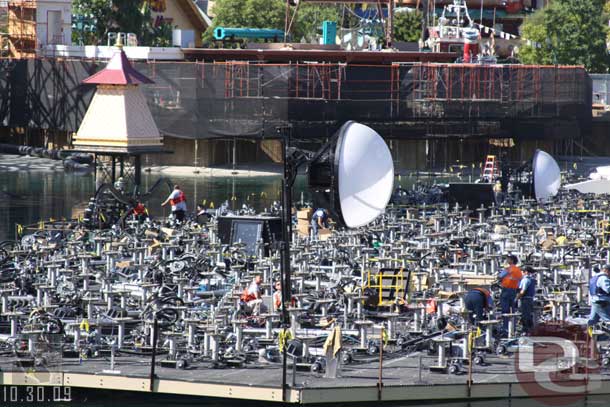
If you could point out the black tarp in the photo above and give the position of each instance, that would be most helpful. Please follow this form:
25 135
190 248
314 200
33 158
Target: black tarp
46 94
236 99
206 100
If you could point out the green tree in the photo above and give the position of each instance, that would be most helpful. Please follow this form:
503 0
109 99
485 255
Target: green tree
570 32
128 16
310 17
407 26
535 29
151 35
94 16
247 13
271 14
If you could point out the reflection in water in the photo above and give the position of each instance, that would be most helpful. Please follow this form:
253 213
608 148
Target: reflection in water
258 192
31 196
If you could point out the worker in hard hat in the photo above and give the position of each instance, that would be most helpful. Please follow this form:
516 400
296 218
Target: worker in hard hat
252 296
202 215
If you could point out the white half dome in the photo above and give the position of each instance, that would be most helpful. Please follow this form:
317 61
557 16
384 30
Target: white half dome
366 174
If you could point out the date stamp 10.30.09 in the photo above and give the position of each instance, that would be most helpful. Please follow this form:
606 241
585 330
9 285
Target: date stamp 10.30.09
34 394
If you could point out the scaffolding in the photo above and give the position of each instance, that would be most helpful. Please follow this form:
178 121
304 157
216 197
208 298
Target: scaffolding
493 91
199 100
22 28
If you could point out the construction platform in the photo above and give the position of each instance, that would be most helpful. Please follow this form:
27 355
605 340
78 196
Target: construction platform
402 381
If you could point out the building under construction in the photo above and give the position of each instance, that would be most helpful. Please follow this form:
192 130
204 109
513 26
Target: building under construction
432 110
33 24
432 113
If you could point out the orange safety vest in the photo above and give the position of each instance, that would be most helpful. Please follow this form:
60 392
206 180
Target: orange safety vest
246 296
486 293
277 299
511 280
178 199
431 306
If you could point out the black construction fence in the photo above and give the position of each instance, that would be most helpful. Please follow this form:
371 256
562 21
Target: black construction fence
196 100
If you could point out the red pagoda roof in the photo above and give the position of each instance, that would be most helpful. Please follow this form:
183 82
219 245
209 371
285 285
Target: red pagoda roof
119 71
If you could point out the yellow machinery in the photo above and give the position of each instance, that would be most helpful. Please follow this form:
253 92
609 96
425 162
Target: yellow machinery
390 284
604 231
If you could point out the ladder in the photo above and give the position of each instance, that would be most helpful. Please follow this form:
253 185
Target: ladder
490 170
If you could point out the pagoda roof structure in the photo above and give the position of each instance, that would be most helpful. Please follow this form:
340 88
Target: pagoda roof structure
118 120
119 71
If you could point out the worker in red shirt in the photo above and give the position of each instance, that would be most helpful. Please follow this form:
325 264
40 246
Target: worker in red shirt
252 296
139 211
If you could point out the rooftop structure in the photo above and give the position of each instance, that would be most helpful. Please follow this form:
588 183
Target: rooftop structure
184 16
33 24
118 118
106 52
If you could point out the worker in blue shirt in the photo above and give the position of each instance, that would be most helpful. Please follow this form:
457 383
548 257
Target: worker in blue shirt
599 293
478 302
527 291
319 220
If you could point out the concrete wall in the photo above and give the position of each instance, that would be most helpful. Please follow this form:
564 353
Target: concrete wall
441 153
423 155
597 143
209 153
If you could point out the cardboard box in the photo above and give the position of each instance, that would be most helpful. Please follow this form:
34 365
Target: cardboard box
303 227
305 214
168 231
123 264
78 210
324 234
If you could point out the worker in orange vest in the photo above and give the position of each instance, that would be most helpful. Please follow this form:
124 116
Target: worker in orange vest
252 296
177 200
277 296
509 280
